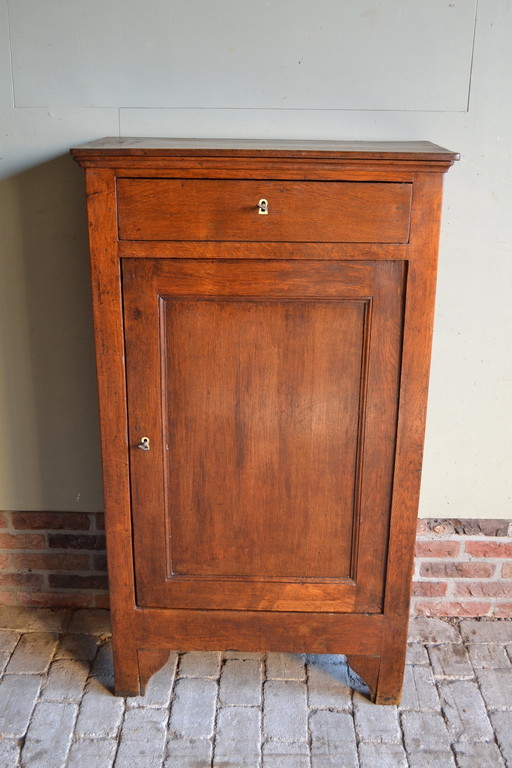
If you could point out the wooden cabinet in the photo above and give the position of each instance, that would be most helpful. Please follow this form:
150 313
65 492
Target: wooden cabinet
263 316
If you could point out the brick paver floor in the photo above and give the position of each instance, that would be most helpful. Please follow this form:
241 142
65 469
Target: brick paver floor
229 710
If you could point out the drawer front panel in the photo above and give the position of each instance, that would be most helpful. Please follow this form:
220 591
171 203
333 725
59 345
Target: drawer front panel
310 211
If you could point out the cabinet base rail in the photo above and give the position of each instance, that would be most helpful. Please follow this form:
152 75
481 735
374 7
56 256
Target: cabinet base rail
373 643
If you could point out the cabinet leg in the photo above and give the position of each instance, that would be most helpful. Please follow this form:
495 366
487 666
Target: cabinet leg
149 663
382 674
126 672
132 675
392 663
391 677
367 667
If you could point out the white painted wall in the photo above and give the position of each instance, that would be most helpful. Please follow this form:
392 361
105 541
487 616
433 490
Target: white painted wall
388 69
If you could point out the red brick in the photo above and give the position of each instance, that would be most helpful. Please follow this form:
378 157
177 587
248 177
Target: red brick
21 580
10 597
69 541
437 548
35 521
506 571
100 563
102 601
429 588
503 611
441 527
59 600
484 589
457 570
22 541
421 528
49 561
481 527
465 526
75 581
3 520
45 599
489 548
439 608
4 561
100 521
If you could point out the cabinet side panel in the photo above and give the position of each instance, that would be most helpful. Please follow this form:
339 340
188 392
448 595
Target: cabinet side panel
107 308
417 343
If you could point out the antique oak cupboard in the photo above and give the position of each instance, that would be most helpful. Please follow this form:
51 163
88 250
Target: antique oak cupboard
263 318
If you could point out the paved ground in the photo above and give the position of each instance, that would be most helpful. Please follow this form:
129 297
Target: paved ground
234 710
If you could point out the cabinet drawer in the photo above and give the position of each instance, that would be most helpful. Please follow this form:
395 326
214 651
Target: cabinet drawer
309 211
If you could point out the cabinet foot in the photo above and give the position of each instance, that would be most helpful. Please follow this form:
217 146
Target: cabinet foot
150 661
391 677
367 667
382 674
132 678
126 676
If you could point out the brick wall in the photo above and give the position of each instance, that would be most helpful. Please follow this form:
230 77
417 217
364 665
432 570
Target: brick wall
463 567
53 559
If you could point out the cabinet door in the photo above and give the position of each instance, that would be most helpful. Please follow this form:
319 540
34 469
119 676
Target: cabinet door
268 392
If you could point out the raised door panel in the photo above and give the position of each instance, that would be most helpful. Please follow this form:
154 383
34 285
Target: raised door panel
262 445
268 393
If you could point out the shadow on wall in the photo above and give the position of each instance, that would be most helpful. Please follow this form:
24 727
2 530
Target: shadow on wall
49 457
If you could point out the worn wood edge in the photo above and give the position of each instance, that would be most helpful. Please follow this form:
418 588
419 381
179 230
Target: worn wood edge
154 147
303 168
252 157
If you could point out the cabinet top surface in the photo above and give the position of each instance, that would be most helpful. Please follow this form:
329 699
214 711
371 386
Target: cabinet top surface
336 150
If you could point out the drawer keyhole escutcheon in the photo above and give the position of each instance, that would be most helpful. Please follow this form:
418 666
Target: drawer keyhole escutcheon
263 207
144 444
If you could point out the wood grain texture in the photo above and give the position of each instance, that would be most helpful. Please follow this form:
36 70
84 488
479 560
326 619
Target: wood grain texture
108 328
244 168
277 438
262 403
259 631
367 667
184 209
266 251
418 326
282 381
124 147
217 158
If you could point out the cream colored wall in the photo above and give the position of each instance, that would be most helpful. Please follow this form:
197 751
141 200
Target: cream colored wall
386 69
